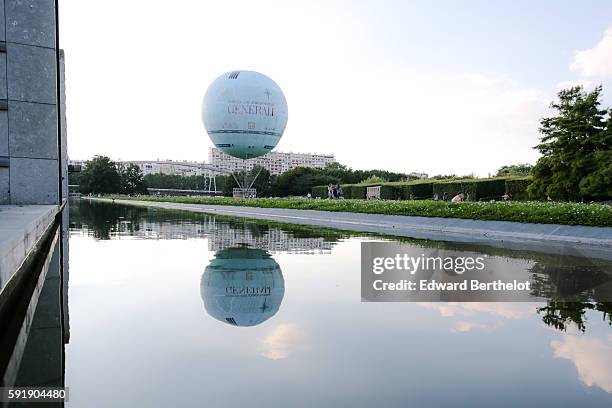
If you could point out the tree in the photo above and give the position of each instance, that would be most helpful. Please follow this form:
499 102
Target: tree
301 180
576 148
444 177
514 170
373 180
340 172
598 184
100 176
347 175
132 181
74 178
175 181
262 184
222 181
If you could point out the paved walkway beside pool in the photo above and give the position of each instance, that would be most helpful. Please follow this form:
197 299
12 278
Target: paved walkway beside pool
21 226
551 238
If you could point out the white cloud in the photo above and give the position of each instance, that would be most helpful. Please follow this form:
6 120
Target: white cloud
596 61
465 326
515 311
591 356
281 341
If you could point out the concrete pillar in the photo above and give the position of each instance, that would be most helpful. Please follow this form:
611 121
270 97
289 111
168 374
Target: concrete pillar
29 150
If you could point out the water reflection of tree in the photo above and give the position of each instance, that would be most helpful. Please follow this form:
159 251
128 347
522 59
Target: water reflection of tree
106 219
575 280
560 315
102 220
572 286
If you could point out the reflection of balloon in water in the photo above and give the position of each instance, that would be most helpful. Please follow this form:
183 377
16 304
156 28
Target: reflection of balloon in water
242 286
244 113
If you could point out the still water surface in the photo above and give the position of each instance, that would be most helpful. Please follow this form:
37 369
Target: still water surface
152 324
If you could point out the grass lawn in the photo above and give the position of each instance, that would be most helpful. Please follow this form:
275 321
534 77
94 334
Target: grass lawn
520 211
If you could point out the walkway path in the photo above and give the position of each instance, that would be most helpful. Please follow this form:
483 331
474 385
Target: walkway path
21 226
552 238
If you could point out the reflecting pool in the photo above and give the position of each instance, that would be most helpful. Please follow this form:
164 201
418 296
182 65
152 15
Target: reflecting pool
177 309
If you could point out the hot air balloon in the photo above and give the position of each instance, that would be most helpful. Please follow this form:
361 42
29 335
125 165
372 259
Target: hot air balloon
245 115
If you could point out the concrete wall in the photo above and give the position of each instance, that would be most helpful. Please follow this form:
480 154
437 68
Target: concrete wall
29 169
41 362
37 357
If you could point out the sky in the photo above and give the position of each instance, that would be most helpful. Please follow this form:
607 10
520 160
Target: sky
441 87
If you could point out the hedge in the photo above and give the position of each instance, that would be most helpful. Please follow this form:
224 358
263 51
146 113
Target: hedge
517 187
389 192
319 192
475 189
348 191
417 190
358 191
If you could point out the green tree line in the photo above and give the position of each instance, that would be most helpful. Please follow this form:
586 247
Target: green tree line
104 176
101 175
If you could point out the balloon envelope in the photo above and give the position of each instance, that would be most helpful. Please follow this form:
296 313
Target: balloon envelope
244 113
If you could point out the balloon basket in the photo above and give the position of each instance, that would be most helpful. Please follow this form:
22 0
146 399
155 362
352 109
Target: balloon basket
244 193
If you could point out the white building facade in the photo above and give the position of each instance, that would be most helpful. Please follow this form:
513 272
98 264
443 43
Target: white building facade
177 168
275 162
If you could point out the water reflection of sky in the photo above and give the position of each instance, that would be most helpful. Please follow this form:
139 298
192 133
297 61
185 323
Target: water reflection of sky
139 326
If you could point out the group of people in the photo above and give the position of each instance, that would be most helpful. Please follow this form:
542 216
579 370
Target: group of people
459 197
334 192
463 197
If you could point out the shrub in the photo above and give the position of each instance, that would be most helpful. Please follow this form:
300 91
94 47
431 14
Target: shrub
319 192
416 190
390 192
517 187
348 191
475 189
372 180
490 189
453 188
357 192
